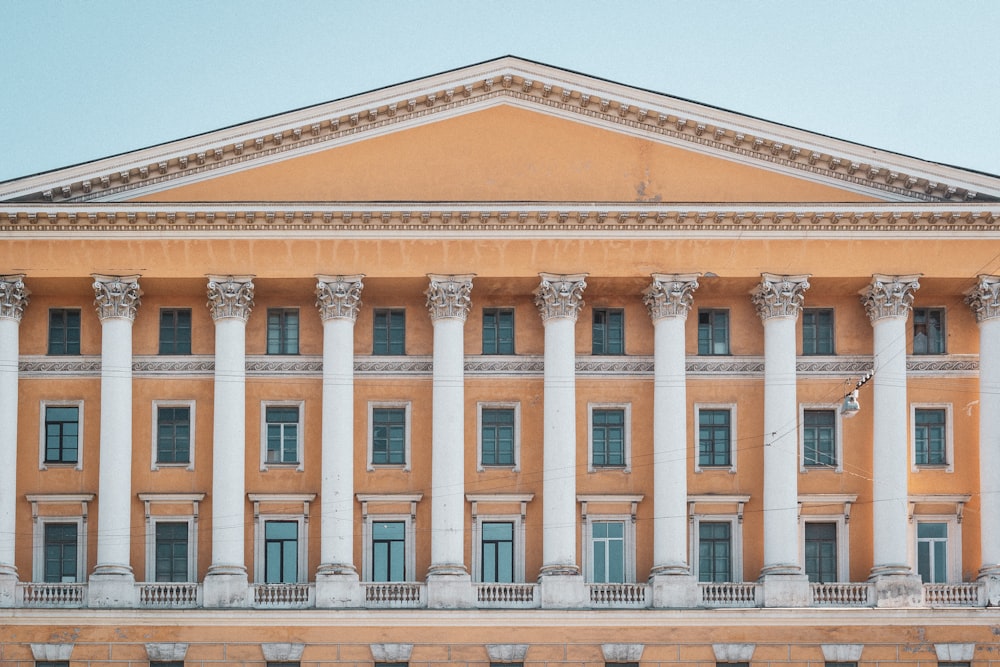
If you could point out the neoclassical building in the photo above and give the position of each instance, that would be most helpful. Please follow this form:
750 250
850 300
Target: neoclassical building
508 365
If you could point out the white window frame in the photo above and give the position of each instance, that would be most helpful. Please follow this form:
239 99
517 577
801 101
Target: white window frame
43 405
518 546
735 520
949 440
627 453
300 450
628 545
498 405
838 437
261 517
157 404
38 531
407 458
191 518
843 521
954 521
410 537
698 407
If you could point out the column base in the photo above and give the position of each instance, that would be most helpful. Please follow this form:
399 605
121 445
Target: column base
226 586
676 588
989 577
563 591
8 585
896 586
112 586
449 588
338 587
782 588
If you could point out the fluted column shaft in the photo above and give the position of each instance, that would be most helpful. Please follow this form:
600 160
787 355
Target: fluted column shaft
13 299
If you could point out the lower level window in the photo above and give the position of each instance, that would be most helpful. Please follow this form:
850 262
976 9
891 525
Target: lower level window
171 551
61 557
821 551
281 552
608 549
388 551
498 551
932 552
715 551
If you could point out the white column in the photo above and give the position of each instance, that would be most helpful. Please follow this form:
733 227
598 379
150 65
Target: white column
338 299
559 299
13 299
985 302
116 299
888 300
230 299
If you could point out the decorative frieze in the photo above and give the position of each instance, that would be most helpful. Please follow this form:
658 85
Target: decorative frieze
13 296
779 296
449 296
984 298
670 295
339 297
889 296
560 295
116 297
230 296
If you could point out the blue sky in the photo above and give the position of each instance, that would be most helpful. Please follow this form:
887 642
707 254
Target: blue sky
84 80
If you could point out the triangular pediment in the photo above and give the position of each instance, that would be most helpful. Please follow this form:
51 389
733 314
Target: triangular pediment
507 130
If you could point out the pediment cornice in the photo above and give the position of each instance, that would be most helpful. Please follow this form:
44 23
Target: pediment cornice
521 83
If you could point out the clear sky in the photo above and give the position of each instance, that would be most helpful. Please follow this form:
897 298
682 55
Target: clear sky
84 80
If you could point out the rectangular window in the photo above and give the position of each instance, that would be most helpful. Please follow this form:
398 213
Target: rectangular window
497 436
830 663
819 442
64 331
175 331
173 434
608 437
928 331
62 434
53 663
715 551
609 331
607 539
817 331
60 552
283 663
498 331
713 331
282 330
389 336
497 552
714 438
171 548
282 425
166 663
388 551
932 552
388 436
929 436
821 551
281 552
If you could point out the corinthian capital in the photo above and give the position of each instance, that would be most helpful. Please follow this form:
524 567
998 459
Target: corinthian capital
889 296
449 296
779 296
984 298
339 297
116 297
560 295
13 296
230 297
670 295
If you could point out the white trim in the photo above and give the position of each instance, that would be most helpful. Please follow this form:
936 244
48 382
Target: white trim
838 439
38 530
698 407
498 405
954 537
262 517
172 403
735 519
477 545
843 544
300 450
628 547
42 465
409 545
627 446
949 439
191 518
407 458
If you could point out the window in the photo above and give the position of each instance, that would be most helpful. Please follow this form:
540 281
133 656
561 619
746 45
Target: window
498 436
819 442
607 541
821 551
817 331
498 331
62 564
282 435
64 331
498 537
171 535
715 438
283 663
166 663
388 551
932 551
608 437
830 663
389 335
54 663
497 556
281 552
171 551
62 434
389 435
928 331
175 331
715 551
713 332
609 331
173 434
282 330
930 437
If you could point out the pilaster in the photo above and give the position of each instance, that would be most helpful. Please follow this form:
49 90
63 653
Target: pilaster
13 299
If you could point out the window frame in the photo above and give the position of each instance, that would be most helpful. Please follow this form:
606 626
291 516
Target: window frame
838 438
409 535
626 409
499 340
953 544
698 408
607 329
389 341
494 405
840 525
698 516
42 434
299 463
284 338
262 516
517 545
175 329
68 350
943 332
155 463
153 502
949 440
389 405
712 313
816 338
628 545
79 503
192 547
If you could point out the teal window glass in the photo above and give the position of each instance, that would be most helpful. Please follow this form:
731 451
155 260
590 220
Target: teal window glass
498 552
932 552
62 434
608 550
171 549
389 336
282 330
609 331
60 552
715 551
389 436
281 552
173 435
714 438
498 331
817 331
819 444
713 331
497 436
388 551
282 434
929 436
175 331
608 437
64 331
821 551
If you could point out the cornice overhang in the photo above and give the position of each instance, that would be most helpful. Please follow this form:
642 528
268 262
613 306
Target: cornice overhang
444 219
521 83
